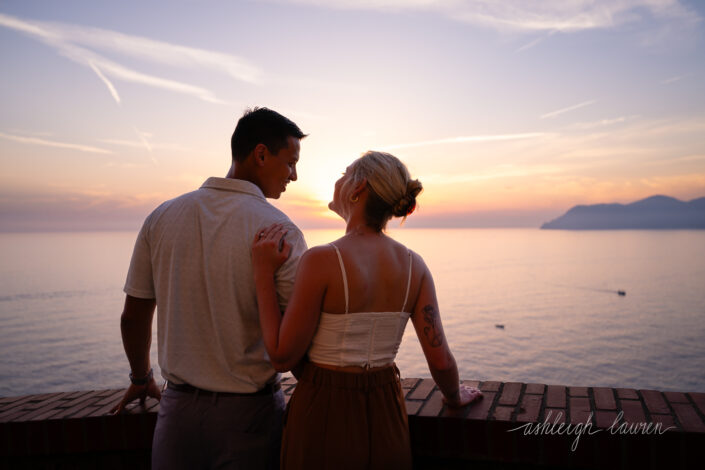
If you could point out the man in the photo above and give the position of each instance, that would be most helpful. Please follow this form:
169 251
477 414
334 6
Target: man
222 405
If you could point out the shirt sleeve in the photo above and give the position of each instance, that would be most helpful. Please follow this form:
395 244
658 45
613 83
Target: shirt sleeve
285 275
140 281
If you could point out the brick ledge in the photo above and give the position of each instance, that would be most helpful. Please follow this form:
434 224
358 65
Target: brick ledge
73 428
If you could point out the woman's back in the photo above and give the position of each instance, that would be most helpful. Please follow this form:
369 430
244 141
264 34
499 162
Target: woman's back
369 335
377 272
351 302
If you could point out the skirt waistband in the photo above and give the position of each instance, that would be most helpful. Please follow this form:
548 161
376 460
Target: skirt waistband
364 380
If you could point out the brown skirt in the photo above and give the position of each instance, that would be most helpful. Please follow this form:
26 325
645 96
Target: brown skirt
346 420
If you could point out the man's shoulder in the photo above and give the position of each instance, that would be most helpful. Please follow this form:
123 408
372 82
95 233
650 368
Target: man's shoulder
268 214
183 198
255 209
169 205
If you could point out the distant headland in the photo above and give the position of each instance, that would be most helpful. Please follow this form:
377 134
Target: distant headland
655 212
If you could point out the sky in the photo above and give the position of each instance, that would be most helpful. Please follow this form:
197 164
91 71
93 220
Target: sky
509 112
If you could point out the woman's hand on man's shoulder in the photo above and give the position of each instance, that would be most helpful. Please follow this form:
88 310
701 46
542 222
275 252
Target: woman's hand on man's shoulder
270 249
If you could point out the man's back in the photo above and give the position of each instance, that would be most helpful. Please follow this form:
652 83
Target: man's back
222 406
198 249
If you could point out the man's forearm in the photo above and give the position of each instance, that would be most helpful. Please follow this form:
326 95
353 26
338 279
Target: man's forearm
136 329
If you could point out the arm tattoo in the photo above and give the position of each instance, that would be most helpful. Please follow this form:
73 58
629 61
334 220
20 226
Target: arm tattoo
434 337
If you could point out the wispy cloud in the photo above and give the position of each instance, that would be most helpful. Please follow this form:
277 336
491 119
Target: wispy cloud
143 138
498 172
535 42
19 131
80 44
558 112
52 143
603 122
675 79
671 161
162 52
108 83
145 142
530 44
469 138
141 144
528 15
50 209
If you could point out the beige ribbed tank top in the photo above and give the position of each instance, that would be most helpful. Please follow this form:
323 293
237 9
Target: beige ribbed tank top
365 339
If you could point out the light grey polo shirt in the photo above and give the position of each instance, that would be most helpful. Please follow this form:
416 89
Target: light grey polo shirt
193 255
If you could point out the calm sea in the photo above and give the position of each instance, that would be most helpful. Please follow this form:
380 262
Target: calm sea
554 293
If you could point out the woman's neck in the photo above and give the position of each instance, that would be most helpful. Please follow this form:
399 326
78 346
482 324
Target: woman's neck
361 229
357 226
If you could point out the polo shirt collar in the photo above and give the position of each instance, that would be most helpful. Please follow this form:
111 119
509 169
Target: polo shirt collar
235 185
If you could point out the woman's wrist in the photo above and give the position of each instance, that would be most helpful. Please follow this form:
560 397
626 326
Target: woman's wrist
263 273
453 398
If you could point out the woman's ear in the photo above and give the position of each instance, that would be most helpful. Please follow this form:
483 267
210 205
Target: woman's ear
360 187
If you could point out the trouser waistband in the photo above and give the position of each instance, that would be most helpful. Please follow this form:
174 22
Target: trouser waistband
268 389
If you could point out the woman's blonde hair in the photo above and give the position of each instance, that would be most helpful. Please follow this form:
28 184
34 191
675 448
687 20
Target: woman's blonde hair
392 191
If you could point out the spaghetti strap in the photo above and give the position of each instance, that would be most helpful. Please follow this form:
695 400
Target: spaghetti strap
408 283
345 278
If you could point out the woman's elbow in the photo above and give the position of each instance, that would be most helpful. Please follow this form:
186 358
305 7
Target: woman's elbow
442 362
283 364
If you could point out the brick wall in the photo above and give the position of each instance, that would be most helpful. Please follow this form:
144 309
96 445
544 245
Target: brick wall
617 428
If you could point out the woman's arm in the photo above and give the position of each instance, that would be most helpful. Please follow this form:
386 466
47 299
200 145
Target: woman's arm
287 339
429 329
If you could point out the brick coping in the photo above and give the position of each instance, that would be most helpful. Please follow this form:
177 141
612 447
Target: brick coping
490 429
517 402
513 402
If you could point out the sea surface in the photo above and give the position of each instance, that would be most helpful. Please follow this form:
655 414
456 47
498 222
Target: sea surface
554 294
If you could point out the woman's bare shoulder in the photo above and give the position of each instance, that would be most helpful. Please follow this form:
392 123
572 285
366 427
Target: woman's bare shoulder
319 250
318 254
418 263
418 259
315 265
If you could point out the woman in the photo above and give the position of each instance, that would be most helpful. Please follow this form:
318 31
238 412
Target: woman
351 301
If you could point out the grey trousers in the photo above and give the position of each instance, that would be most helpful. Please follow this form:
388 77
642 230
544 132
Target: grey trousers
218 432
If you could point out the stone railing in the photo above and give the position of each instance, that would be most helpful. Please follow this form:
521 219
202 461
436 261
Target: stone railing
515 425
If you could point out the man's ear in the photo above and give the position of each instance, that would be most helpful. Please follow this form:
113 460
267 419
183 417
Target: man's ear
260 152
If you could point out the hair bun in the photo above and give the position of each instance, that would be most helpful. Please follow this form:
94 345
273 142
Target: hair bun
407 203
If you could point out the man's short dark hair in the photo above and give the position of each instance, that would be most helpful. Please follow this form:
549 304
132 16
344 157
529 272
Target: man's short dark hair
262 126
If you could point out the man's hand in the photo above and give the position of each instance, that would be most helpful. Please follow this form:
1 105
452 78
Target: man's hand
136 328
137 391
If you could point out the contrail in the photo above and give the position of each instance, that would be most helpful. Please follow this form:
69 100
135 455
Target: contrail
553 114
52 143
107 82
469 138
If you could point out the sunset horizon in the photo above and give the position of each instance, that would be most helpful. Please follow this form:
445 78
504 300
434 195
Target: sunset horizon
312 304
508 114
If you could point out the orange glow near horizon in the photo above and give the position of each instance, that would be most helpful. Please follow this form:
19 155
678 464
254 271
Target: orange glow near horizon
502 122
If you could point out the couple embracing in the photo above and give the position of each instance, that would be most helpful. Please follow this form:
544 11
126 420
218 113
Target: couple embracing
240 299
